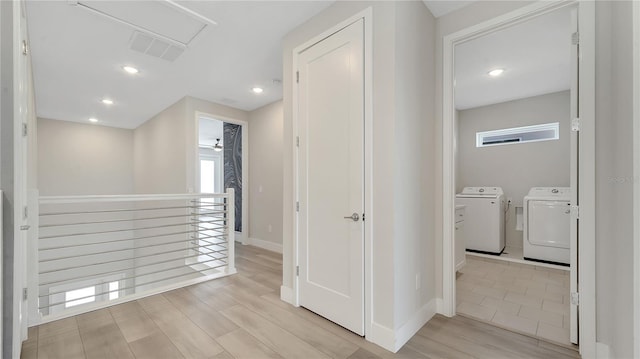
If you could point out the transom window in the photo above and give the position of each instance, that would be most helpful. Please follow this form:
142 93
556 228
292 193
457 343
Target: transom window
506 136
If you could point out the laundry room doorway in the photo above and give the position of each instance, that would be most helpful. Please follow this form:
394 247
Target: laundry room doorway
514 91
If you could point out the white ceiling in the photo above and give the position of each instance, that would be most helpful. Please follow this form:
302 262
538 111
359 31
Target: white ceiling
78 57
442 7
535 55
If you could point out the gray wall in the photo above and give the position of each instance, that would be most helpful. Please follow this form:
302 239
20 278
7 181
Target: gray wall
265 170
414 241
614 177
515 167
6 171
84 159
160 152
166 146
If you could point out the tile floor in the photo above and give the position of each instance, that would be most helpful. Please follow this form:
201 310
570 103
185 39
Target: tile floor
525 298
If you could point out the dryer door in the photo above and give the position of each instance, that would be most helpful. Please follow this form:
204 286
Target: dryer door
549 223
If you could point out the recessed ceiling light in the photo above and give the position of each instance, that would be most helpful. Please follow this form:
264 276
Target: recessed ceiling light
93 119
257 90
496 72
107 101
130 69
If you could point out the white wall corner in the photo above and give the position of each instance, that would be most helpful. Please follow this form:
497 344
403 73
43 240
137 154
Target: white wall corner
239 238
439 306
394 340
411 327
603 351
260 243
286 294
382 336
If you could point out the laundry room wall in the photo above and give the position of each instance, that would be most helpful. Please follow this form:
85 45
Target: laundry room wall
515 167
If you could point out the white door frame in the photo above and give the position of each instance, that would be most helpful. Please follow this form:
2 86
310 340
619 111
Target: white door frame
367 15
244 234
218 160
21 93
586 253
636 179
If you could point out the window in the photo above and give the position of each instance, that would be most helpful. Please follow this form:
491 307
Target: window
79 296
113 290
535 133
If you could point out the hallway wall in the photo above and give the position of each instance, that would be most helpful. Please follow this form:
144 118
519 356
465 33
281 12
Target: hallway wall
84 159
81 159
265 170
159 150
614 177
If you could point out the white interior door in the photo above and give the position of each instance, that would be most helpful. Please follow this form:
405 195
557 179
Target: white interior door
22 86
331 177
575 188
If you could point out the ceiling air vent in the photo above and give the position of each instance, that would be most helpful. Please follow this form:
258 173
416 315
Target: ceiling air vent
162 28
155 47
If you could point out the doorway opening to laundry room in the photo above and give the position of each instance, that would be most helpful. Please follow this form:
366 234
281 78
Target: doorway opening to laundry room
222 164
515 170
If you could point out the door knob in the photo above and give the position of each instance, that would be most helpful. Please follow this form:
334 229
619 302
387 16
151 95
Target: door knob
354 217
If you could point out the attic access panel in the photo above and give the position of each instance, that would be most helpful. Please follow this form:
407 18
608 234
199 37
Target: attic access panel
164 18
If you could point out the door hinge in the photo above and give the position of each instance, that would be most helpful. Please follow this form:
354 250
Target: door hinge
25 48
25 212
25 294
297 271
25 129
297 206
575 124
575 211
575 298
297 141
297 77
575 38
363 217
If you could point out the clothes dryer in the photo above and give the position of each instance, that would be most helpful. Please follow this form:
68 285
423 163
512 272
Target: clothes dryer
547 221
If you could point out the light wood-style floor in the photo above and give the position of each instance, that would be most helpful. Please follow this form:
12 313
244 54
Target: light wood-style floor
241 316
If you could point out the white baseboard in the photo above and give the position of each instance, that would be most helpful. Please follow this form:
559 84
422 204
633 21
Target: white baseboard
411 327
394 340
286 294
603 351
270 246
382 336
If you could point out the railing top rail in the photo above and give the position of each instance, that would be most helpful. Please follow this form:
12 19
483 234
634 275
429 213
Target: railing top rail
126 198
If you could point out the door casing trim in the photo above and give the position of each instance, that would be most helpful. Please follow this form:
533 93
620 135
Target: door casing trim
367 16
244 234
587 277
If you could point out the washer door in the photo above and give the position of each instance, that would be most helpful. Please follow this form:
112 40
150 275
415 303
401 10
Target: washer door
549 223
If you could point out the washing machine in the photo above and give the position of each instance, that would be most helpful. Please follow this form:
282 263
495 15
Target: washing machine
484 218
547 221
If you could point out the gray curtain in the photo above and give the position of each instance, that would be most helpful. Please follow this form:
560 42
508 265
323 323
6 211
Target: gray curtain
232 142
